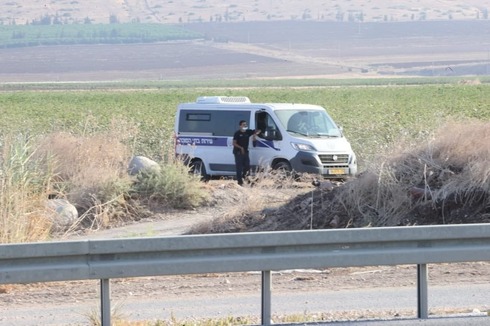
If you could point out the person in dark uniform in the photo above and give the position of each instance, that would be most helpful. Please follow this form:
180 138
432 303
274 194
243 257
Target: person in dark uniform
240 150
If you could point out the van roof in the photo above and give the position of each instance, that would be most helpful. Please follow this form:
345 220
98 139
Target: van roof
222 100
240 102
230 101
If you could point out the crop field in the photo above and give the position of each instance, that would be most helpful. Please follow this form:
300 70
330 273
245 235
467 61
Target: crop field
373 117
34 35
244 51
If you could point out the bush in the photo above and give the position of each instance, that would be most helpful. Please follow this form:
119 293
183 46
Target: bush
172 185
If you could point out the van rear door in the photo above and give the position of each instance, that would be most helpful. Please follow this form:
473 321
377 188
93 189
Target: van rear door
210 132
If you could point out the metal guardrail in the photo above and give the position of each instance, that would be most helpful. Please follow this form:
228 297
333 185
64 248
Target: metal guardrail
265 252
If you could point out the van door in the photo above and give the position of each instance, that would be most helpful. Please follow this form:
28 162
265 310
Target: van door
210 136
268 144
227 123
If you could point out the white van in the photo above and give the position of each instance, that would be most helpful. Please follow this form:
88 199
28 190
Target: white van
294 137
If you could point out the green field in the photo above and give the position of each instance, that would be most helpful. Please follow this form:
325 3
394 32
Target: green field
373 117
35 35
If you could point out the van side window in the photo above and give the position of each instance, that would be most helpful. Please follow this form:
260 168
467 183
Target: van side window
198 117
268 127
216 122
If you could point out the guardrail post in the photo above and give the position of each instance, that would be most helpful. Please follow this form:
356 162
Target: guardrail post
422 293
266 297
105 302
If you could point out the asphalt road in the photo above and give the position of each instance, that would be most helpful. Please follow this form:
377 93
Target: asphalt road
437 321
434 321
395 301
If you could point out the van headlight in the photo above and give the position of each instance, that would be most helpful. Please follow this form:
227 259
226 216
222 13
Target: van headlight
303 147
353 159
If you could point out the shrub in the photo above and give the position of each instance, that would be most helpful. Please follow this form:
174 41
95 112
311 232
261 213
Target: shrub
172 185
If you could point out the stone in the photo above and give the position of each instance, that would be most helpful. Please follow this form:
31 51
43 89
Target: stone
141 163
62 213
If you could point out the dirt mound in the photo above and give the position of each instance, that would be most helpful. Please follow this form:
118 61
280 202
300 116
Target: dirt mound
444 181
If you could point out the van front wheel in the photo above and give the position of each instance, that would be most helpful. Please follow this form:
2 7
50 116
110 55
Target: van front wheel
282 166
282 169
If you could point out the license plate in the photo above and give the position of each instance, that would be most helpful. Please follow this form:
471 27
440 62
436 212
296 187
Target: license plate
337 171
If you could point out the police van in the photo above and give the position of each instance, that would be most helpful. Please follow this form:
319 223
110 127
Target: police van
294 137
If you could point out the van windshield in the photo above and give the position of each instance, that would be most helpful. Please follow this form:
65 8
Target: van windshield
315 123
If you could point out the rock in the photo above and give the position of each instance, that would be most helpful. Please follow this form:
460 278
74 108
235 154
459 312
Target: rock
62 213
141 163
334 223
324 185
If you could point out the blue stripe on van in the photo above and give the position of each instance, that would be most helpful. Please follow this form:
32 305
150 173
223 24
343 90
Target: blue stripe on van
202 141
266 144
220 141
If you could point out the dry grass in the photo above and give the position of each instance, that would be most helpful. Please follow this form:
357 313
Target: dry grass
117 318
90 173
306 317
458 160
452 167
85 162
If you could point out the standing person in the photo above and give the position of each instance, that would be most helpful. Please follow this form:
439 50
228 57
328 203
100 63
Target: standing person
240 150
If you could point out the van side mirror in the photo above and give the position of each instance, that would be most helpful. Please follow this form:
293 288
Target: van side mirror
272 134
341 130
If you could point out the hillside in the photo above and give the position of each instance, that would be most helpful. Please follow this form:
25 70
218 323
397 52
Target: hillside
184 11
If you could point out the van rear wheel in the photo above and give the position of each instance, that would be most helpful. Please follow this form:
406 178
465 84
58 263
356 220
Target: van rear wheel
198 169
